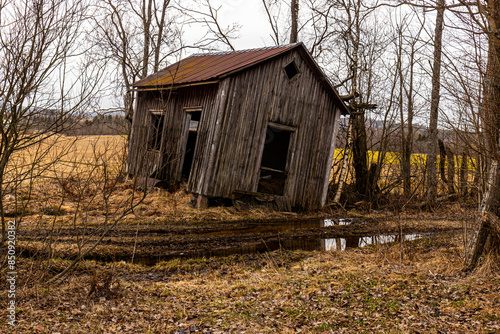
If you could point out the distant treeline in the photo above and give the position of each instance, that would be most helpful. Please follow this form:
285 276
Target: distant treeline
110 124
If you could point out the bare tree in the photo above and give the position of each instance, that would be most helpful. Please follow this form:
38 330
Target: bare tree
487 230
95 181
343 170
434 112
39 92
407 90
273 19
137 37
216 34
361 58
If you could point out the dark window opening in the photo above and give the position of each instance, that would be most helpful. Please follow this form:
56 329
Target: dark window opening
291 70
273 173
157 121
195 120
191 144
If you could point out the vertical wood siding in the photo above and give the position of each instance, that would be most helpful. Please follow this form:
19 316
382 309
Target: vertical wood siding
232 131
143 161
264 94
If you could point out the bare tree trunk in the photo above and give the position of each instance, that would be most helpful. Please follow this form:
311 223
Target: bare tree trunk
345 162
159 39
295 21
433 118
359 151
442 160
408 145
405 149
359 146
273 22
146 21
450 158
492 82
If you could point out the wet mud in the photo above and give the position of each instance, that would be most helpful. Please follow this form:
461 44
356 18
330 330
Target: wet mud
149 244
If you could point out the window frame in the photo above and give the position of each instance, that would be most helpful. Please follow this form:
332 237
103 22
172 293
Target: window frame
155 138
296 67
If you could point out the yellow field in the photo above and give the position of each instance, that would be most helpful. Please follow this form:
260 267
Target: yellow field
392 158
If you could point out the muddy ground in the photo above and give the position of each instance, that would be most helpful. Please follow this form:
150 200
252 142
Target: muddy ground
151 241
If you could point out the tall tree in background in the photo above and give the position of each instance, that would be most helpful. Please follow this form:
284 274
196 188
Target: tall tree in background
360 92
434 112
294 30
137 36
281 23
407 91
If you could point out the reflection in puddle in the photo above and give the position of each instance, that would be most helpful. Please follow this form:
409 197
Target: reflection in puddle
354 242
339 222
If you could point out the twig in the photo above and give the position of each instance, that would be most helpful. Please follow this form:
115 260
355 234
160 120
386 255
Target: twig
135 242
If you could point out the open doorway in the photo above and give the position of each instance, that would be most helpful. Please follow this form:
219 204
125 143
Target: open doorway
273 167
193 119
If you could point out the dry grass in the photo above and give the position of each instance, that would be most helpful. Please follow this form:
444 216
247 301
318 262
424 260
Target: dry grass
70 169
64 154
490 266
363 290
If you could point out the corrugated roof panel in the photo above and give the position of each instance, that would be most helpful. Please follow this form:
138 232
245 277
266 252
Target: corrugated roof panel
203 67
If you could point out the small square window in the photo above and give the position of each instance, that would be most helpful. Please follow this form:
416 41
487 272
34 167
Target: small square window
291 70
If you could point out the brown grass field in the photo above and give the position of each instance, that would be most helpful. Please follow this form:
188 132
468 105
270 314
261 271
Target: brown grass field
399 287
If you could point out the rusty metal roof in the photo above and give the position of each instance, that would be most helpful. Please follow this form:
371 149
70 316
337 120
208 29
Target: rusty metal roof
209 66
205 68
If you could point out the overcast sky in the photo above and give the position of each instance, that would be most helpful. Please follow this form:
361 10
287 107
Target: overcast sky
250 15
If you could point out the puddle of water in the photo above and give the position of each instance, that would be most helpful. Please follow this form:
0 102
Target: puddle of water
277 227
355 242
307 244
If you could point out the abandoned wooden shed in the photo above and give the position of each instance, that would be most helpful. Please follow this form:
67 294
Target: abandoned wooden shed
261 121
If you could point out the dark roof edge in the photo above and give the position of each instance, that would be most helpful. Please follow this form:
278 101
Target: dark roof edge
174 86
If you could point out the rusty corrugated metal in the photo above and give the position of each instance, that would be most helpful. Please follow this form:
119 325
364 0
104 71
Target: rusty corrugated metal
203 67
